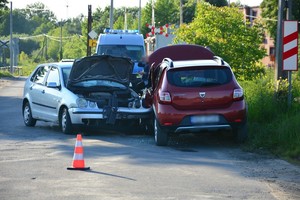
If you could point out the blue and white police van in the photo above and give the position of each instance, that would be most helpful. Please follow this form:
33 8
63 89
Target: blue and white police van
123 43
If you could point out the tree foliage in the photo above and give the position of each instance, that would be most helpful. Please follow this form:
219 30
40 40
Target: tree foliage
218 3
224 30
270 13
3 4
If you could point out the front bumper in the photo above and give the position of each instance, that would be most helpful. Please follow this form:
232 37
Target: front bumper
108 115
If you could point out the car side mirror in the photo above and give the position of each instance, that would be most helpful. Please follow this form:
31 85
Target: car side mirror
52 85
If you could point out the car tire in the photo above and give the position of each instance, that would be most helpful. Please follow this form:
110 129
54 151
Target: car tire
241 134
65 122
161 137
27 115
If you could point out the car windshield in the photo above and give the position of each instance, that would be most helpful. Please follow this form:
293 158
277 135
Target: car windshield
100 83
66 73
133 52
189 77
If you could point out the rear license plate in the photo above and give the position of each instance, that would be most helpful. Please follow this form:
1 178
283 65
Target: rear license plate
204 119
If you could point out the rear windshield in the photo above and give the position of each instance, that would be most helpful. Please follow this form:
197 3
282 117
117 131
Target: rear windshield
189 77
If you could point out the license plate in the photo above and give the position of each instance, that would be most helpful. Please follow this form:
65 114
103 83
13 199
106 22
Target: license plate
204 119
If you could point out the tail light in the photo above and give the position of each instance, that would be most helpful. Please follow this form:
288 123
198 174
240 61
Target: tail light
238 94
164 97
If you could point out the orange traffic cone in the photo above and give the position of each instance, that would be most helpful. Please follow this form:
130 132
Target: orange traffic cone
78 161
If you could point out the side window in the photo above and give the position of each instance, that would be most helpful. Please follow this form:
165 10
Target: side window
158 72
53 76
40 75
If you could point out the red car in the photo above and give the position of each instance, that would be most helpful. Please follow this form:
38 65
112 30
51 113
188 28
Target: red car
192 90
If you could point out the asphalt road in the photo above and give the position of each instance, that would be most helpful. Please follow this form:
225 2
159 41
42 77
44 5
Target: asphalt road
33 164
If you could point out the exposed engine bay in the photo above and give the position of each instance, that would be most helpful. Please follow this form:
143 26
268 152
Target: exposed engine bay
110 101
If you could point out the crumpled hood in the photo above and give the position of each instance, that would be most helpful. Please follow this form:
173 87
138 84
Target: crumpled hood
101 67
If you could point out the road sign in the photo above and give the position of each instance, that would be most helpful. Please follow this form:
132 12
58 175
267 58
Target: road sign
290 46
92 43
93 34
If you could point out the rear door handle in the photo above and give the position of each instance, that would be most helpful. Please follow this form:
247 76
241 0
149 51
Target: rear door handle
43 91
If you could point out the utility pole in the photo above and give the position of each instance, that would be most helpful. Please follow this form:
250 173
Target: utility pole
181 13
140 8
11 40
288 6
125 19
278 64
89 28
60 47
111 14
153 14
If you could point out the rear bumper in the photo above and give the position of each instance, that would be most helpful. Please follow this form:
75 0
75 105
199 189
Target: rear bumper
178 121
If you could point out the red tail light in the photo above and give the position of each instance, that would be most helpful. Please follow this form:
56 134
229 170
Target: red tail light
238 94
164 97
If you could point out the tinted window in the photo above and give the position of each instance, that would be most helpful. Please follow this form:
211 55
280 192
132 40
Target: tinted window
53 76
40 75
199 77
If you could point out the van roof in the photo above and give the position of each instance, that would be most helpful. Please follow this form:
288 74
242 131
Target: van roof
121 39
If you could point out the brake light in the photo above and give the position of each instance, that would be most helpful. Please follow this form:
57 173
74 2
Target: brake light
164 97
238 94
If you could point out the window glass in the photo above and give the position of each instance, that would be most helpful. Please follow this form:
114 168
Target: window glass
40 75
133 52
66 74
53 76
199 77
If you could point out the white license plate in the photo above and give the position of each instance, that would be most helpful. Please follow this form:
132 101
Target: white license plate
204 119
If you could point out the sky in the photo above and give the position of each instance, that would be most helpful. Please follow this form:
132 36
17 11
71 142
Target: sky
64 9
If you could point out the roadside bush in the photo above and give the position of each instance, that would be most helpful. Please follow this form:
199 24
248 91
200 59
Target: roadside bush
272 124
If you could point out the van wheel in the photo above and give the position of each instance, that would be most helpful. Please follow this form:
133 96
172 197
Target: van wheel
65 122
241 134
161 137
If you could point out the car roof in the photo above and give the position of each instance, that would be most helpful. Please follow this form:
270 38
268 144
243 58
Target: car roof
60 64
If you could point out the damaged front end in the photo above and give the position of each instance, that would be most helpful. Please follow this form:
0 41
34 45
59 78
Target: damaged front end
102 85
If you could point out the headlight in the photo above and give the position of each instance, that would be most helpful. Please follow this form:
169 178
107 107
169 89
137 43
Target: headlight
92 104
81 103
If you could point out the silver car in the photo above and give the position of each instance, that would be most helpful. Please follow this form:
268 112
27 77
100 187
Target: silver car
92 91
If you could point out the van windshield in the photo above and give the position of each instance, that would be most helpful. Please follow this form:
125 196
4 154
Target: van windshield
133 52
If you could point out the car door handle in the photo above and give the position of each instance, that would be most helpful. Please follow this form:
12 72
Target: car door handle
43 91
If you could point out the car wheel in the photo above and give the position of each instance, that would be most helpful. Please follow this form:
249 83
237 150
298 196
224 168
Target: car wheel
160 136
65 122
241 133
27 115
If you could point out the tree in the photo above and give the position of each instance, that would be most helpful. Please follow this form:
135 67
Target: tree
218 3
3 4
270 13
223 29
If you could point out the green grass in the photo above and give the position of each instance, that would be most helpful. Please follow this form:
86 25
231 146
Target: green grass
272 124
5 74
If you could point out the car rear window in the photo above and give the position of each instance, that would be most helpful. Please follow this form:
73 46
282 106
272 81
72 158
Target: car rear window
191 77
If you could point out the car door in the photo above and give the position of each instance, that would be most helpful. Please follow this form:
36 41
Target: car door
52 94
37 89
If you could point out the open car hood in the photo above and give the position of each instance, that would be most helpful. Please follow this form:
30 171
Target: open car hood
101 67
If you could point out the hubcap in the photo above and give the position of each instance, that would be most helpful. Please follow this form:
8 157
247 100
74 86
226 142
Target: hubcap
155 130
63 120
26 114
